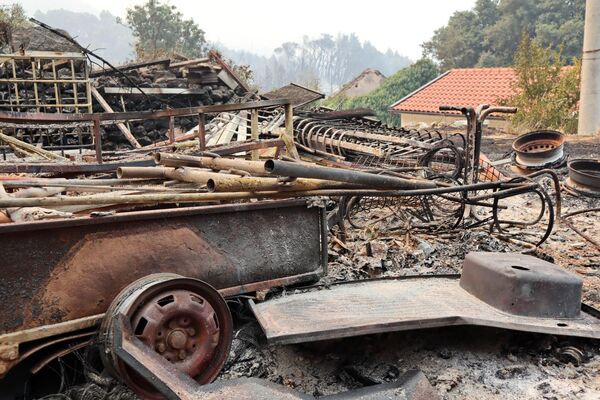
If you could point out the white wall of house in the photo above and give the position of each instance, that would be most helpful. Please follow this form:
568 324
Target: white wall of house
415 119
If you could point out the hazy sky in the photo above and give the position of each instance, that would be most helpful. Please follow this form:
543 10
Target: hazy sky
262 25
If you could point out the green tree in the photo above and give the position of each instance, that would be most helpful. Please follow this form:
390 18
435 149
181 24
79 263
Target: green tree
547 92
488 35
159 29
393 89
11 16
461 43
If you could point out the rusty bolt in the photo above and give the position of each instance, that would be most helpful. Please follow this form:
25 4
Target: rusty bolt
191 331
177 339
161 348
182 355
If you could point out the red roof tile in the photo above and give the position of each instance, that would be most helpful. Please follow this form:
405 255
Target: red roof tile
461 87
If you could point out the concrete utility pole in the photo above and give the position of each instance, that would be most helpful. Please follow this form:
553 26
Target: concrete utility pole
589 103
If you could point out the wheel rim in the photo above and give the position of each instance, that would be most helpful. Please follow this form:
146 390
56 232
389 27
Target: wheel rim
184 320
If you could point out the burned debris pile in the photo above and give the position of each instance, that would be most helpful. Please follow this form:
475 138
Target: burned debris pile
213 228
160 85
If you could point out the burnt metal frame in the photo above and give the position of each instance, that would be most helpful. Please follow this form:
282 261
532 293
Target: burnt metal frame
40 61
98 119
475 119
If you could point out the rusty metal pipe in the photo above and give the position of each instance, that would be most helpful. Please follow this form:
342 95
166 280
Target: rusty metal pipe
254 184
144 172
219 182
286 168
199 197
198 176
184 174
219 163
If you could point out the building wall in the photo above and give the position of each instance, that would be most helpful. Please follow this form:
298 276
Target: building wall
365 84
414 119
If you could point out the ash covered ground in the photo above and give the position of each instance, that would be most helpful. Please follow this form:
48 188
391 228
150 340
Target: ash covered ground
460 362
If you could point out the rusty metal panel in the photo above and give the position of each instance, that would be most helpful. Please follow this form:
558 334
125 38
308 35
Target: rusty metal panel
56 271
366 307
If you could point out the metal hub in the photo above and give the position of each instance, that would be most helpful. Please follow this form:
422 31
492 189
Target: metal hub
184 320
180 325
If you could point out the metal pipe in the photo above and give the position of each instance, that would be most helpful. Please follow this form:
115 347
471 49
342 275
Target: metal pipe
179 160
184 174
286 168
144 172
254 184
200 176
219 182
199 197
505 193
82 187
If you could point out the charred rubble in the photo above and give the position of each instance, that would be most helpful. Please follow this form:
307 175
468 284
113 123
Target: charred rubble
168 233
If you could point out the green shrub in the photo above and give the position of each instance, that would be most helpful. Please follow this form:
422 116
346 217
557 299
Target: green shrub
547 93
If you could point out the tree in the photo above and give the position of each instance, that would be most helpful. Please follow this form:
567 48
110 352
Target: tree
461 43
326 59
11 16
457 45
488 35
159 29
547 92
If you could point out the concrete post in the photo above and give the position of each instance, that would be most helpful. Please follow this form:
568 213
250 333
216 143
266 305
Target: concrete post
589 103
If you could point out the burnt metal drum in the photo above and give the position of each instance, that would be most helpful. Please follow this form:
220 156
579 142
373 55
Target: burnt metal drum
58 271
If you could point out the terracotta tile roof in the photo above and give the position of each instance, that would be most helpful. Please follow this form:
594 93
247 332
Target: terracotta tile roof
460 87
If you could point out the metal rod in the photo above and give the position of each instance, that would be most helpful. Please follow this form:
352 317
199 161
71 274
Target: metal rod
199 197
254 131
201 132
97 140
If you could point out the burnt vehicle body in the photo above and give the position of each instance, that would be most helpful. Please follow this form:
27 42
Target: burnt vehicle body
59 277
